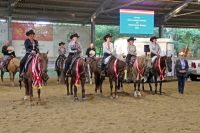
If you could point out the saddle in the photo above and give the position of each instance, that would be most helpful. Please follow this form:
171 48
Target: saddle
5 66
73 61
28 61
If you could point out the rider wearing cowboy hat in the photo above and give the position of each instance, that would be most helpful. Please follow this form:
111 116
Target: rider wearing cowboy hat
61 48
107 51
74 49
131 50
31 46
7 51
154 48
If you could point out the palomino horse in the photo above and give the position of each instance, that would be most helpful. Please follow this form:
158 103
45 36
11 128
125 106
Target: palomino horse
94 67
33 75
59 68
161 64
141 65
115 71
13 67
77 76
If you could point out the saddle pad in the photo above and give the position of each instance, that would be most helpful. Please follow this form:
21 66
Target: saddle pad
107 60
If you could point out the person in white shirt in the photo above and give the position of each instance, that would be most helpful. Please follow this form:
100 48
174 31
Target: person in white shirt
131 50
107 51
154 48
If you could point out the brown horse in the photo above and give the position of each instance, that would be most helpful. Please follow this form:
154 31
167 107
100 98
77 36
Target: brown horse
94 67
59 68
77 77
141 65
158 70
41 63
13 67
115 71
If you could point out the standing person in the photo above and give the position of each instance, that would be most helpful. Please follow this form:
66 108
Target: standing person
131 50
7 51
74 49
181 68
91 51
154 48
107 51
32 47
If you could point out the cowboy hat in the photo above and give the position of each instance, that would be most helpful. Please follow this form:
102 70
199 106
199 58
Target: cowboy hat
131 39
106 36
181 53
152 38
74 35
61 43
30 32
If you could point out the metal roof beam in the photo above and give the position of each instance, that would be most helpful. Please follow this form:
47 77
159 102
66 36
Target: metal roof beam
177 10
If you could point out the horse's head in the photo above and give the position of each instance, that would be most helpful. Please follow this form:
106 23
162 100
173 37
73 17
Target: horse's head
168 62
43 57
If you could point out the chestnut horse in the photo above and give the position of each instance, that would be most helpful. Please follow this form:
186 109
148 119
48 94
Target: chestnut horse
78 69
41 66
158 70
13 67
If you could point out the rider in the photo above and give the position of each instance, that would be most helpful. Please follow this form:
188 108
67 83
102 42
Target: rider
154 48
107 51
74 49
91 51
61 52
131 50
32 47
8 52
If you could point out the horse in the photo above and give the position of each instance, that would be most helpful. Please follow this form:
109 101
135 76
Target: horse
13 68
158 69
115 72
59 67
78 68
93 65
33 75
141 65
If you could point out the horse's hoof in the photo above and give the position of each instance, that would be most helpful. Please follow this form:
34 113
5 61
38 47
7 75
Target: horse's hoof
25 98
116 96
135 94
75 98
68 94
139 94
111 97
84 98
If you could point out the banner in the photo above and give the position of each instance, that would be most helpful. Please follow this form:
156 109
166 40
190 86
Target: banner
43 32
136 21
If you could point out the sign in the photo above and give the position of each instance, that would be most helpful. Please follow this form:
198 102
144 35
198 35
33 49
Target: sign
43 32
136 21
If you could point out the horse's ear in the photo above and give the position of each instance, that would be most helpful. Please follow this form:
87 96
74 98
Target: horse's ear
47 52
171 55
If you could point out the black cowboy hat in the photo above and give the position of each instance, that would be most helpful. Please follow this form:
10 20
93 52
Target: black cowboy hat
106 36
74 35
152 38
131 39
61 43
30 32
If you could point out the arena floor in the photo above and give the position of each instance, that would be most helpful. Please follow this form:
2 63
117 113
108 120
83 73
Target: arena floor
58 113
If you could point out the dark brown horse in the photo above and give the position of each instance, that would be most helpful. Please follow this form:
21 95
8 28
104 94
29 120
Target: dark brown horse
115 72
59 68
41 64
94 67
77 77
158 71
141 65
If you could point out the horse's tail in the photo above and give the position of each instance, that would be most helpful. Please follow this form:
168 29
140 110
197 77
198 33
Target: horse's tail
20 84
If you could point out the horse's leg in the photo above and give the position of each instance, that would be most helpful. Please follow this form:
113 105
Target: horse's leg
111 85
58 75
2 73
143 84
100 85
11 79
71 86
26 89
116 87
30 89
75 93
39 91
96 83
135 85
67 85
139 82
161 87
156 83
83 88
